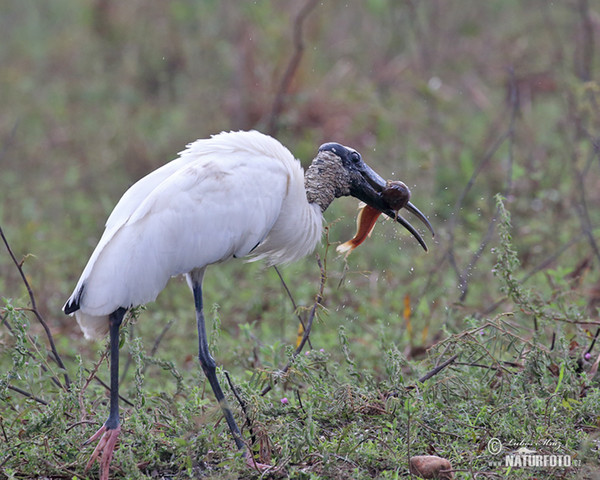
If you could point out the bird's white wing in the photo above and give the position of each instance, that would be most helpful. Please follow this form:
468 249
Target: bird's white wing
195 152
136 194
203 213
223 197
128 203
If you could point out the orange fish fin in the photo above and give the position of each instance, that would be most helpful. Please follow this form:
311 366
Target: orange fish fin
365 222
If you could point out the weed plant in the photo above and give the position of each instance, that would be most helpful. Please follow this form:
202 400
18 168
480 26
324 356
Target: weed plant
326 417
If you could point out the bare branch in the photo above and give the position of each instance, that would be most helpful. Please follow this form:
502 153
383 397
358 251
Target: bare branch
292 66
587 41
438 369
160 336
93 376
36 312
243 405
308 327
44 368
27 394
105 385
507 136
289 294
583 211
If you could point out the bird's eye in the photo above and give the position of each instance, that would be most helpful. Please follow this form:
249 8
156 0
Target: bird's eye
355 157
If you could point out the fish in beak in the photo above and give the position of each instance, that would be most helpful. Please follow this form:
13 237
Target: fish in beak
377 196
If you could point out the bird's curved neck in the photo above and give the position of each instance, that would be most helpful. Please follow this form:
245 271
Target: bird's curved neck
325 180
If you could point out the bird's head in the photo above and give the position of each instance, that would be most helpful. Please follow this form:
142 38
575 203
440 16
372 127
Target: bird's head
339 171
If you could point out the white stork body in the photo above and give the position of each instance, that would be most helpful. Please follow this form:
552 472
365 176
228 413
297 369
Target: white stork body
233 195
227 196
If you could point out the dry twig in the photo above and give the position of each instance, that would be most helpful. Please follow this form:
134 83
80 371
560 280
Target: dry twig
290 71
294 304
507 136
308 325
27 394
438 369
36 312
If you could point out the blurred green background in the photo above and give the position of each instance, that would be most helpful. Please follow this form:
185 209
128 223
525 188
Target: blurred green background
96 94
460 100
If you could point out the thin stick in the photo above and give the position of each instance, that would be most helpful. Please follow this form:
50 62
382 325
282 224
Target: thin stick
27 394
407 402
508 136
34 309
105 385
243 406
238 398
45 368
76 424
490 367
129 357
583 211
587 28
289 294
3 431
93 376
438 369
593 341
293 64
160 336
309 323
157 341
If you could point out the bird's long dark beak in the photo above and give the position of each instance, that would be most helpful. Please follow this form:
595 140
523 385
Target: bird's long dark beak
406 224
370 188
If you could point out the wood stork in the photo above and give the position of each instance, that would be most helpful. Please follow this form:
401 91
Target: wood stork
233 195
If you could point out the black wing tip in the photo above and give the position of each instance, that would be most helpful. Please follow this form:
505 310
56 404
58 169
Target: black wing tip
73 303
70 307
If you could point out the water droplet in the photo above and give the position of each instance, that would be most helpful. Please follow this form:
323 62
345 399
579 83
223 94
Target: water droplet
434 83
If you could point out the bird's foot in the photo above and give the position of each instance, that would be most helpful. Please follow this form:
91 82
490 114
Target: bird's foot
250 462
104 449
261 467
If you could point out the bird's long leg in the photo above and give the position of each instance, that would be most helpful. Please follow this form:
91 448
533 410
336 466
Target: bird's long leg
109 432
209 367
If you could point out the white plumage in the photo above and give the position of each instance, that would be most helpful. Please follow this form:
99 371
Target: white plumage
236 194
231 195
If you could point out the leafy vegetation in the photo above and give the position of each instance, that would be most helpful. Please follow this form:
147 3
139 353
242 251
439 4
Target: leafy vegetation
487 110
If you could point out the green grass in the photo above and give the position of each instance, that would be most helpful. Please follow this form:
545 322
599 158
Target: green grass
97 94
354 409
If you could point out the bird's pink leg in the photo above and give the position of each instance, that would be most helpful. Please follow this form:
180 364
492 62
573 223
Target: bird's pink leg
104 449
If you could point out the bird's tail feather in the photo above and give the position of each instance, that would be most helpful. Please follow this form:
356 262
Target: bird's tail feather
93 327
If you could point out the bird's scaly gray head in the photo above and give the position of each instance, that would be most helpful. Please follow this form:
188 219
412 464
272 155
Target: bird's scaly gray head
327 177
339 171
